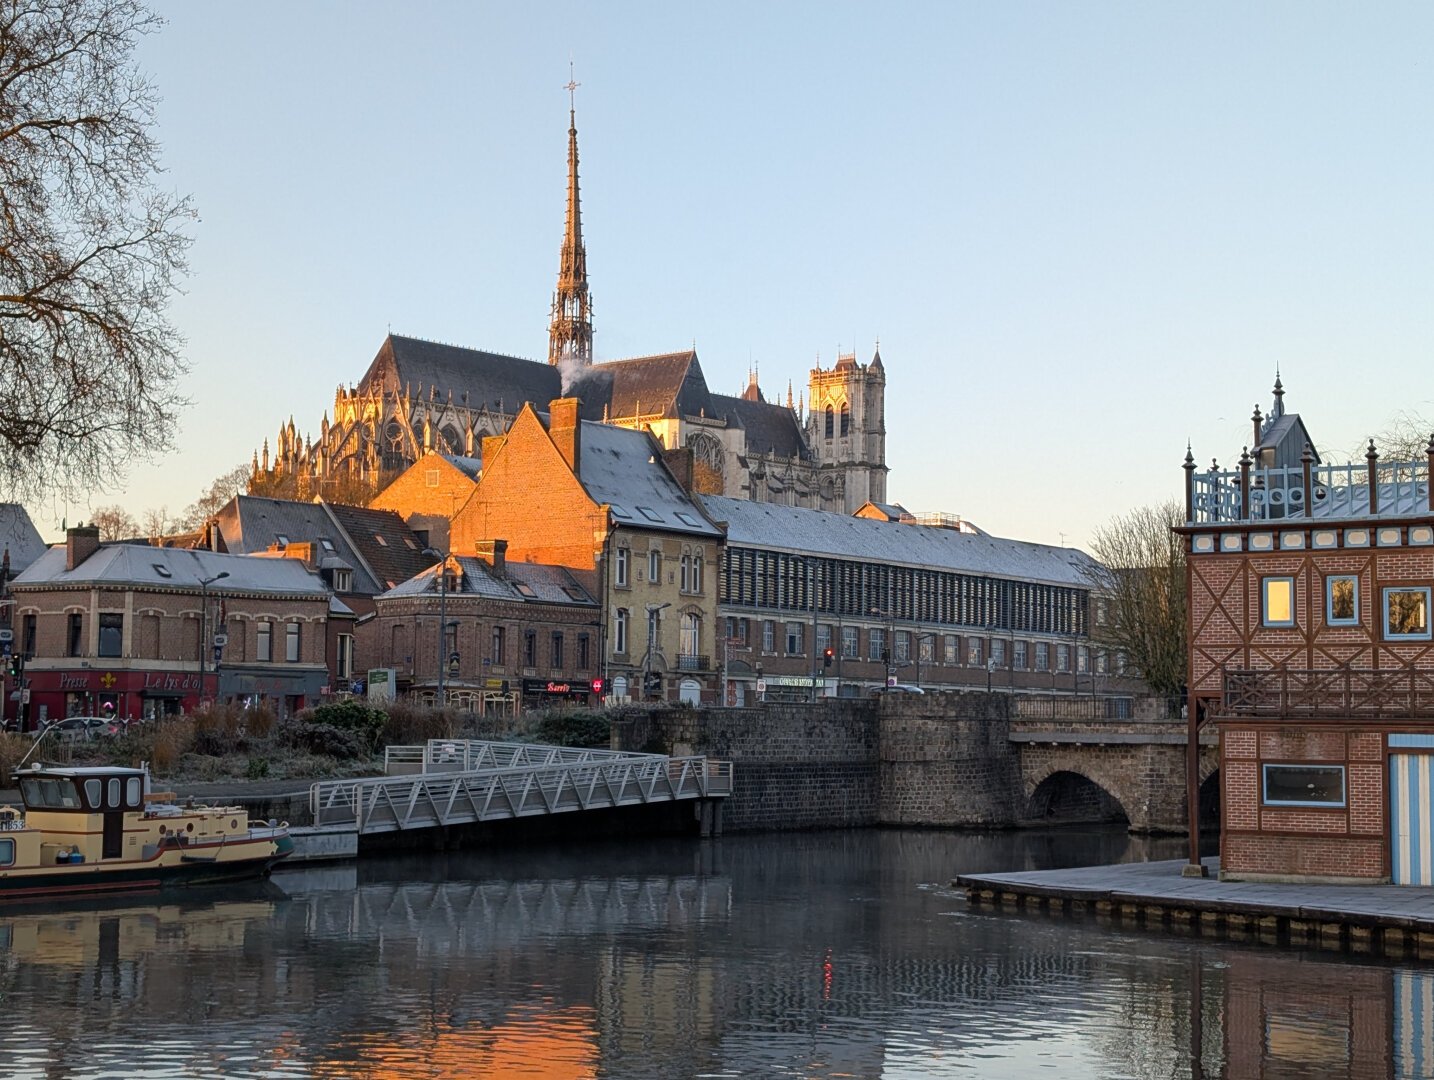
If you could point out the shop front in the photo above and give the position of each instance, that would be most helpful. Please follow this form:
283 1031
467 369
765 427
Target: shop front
285 692
540 693
123 694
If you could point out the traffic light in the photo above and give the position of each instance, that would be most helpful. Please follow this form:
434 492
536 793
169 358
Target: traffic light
17 666
827 655
597 686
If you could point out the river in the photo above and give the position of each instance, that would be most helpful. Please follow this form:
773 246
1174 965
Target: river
821 955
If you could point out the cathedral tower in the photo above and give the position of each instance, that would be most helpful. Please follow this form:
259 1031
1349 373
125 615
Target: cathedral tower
846 429
570 334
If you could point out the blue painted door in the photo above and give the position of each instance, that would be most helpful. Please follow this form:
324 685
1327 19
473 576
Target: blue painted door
1411 821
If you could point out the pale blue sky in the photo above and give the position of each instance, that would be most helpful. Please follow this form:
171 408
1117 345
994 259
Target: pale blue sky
1082 232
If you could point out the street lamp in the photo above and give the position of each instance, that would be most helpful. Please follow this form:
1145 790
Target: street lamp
886 652
990 669
204 584
442 621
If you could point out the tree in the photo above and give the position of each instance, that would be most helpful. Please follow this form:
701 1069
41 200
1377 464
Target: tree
114 523
91 250
1139 579
155 522
224 488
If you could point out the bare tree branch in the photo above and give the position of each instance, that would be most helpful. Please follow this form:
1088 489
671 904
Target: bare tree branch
1141 576
91 251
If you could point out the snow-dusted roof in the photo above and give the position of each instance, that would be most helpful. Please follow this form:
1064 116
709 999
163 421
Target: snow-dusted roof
19 536
532 582
624 468
136 566
818 532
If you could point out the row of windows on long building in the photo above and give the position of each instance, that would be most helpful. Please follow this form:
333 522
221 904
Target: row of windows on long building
844 587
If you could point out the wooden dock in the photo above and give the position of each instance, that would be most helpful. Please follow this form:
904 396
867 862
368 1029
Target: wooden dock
1393 920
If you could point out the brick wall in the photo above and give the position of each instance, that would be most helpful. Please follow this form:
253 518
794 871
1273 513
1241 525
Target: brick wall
1297 841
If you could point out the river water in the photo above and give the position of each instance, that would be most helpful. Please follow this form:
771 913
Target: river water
822 955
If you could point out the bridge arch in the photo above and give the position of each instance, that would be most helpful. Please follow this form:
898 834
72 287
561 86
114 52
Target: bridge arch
1068 796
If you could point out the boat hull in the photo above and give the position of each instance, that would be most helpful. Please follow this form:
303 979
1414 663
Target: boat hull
119 878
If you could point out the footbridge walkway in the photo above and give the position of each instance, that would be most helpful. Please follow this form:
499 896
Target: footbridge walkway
461 782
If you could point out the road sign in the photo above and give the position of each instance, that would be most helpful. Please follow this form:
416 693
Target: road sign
891 680
6 634
221 640
761 686
25 696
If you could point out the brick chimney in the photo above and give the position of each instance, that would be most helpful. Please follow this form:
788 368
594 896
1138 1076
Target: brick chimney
566 429
681 463
495 554
80 543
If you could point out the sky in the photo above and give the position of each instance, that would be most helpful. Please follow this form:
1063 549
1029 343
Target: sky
1084 234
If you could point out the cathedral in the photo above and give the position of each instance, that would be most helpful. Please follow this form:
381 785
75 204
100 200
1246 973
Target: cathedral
827 452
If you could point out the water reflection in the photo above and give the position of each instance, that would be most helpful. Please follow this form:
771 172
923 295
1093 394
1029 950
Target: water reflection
816 955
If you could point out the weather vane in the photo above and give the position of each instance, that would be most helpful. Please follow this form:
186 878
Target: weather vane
571 87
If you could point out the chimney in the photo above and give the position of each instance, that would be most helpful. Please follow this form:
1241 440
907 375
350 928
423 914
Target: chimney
80 543
679 461
495 554
566 429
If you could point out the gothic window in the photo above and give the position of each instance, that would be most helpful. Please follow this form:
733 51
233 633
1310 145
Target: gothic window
708 463
831 421
845 419
452 441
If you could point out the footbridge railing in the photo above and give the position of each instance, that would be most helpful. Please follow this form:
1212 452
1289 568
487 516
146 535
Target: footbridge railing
442 798
473 755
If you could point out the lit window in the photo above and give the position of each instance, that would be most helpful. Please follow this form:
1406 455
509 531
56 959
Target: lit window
1406 613
1341 600
1304 785
1277 601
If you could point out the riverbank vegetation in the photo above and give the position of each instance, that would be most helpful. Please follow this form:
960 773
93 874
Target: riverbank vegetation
338 739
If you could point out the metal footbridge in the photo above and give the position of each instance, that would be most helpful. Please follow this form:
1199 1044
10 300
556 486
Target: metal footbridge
461 782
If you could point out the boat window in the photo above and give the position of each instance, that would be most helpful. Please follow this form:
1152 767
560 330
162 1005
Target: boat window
68 793
48 792
114 799
7 852
30 790
133 795
92 794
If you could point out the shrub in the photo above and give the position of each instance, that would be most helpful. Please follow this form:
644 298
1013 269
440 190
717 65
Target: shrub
409 725
352 716
326 739
218 729
12 749
572 728
257 769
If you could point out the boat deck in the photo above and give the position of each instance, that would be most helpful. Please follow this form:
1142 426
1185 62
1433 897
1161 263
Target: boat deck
1393 919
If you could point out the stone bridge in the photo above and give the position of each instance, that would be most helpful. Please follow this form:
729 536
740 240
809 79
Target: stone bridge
947 759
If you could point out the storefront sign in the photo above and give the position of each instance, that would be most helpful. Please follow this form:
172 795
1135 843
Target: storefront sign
556 687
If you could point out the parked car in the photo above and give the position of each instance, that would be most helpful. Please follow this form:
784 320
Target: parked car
899 688
82 728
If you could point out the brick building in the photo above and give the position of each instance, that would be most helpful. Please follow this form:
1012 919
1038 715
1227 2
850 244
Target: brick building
940 606
1310 649
602 501
503 633
429 492
144 631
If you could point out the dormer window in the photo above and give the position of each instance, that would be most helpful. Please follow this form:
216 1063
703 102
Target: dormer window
326 544
283 539
161 570
381 541
343 580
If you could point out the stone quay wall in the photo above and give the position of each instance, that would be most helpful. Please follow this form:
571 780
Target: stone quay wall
933 759
795 766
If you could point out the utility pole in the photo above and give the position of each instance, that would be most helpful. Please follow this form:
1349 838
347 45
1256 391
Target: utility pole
204 584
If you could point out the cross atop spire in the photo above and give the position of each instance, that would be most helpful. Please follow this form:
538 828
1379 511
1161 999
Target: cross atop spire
570 332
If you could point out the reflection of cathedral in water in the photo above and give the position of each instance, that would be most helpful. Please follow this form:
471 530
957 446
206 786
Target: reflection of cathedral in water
825 451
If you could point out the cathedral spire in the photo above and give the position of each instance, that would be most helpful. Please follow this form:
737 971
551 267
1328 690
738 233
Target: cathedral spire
570 333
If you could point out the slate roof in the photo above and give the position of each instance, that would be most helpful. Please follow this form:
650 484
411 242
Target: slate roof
249 524
771 429
19 536
524 583
388 547
623 467
470 467
790 528
124 565
490 379
670 385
